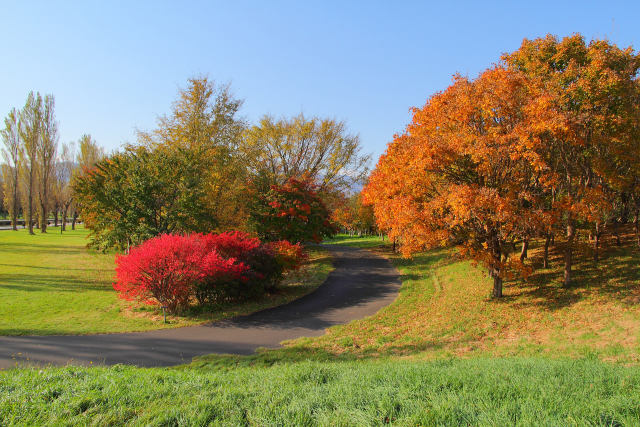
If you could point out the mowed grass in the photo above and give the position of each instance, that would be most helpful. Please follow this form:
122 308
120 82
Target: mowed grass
363 242
444 309
479 392
52 284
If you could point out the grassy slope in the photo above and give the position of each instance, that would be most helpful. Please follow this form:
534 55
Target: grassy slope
51 284
444 310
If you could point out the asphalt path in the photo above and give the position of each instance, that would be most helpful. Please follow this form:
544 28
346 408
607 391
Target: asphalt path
361 284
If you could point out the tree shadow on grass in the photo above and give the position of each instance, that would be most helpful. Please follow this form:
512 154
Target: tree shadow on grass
616 276
41 267
49 283
35 248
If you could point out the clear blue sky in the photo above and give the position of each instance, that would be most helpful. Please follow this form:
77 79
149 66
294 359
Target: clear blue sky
115 66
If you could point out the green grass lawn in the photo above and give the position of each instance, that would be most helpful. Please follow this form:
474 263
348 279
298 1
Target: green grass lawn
479 392
364 242
51 284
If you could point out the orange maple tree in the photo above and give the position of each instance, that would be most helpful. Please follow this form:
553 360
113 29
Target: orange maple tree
584 126
460 173
549 137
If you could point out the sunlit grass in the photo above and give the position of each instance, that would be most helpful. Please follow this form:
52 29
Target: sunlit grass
364 242
51 284
475 392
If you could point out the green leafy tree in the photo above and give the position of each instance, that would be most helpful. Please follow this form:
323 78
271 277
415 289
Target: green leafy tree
204 121
140 193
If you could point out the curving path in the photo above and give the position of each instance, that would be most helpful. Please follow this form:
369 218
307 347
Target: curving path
361 284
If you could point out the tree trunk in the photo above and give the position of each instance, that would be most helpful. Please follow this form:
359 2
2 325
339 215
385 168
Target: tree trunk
15 210
545 260
568 253
596 244
55 217
525 249
63 227
616 232
497 286
43 215
29 217
73 221
495 269
636 224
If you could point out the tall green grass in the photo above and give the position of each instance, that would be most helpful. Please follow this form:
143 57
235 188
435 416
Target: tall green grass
448 392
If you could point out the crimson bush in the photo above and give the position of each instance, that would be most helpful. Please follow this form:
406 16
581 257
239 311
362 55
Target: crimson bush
172 270
161 270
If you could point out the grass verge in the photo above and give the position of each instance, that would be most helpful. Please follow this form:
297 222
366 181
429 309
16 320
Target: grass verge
447 392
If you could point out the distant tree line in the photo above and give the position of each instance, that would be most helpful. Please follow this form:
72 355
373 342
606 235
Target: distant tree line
37 171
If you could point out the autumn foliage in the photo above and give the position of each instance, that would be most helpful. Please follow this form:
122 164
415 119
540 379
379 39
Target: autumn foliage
545 142
176 270
292 211
288 255
352 216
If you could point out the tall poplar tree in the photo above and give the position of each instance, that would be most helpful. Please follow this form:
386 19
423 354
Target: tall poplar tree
46 154
30 134
11 152
65 169
89 152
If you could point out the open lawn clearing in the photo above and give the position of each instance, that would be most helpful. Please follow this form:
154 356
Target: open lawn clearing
360 286
51 284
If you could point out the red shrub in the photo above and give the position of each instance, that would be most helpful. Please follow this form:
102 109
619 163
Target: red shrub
223 279
231 244
288 255
162 269
265 271
173 269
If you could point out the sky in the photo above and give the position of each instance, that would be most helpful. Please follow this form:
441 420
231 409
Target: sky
114 67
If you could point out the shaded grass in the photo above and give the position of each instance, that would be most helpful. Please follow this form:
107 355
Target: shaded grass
51 284
447 392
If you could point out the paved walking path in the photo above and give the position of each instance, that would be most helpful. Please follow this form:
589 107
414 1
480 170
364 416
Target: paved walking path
361 284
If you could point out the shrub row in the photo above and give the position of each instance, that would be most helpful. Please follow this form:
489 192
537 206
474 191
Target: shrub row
178 270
